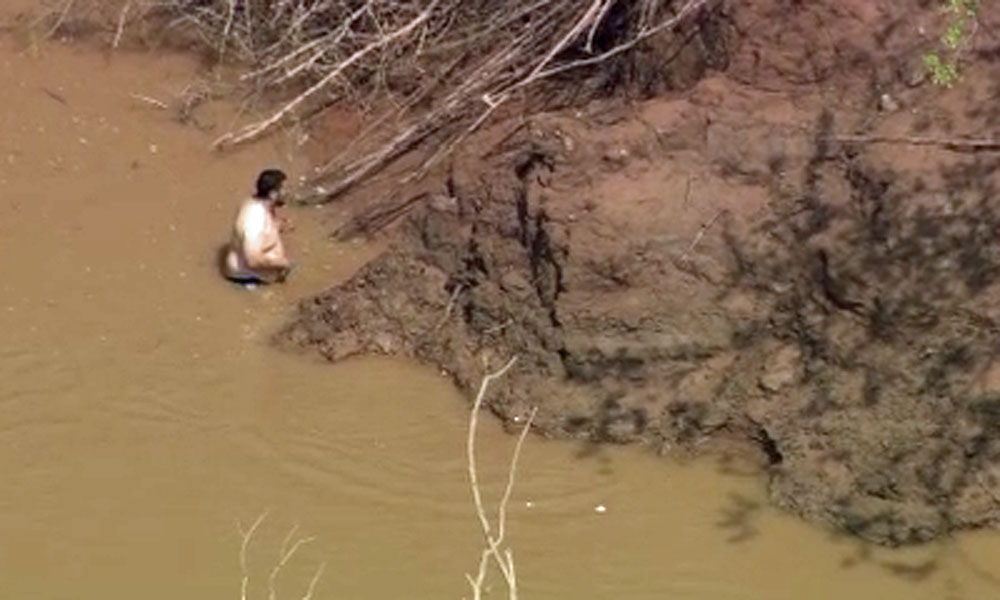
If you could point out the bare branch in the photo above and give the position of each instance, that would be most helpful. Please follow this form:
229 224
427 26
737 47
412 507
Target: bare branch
511 474
289 547
701 233
954 144
312 582
121 23
285 556
151 101
254 131
471 444
505 560
420 71
247 535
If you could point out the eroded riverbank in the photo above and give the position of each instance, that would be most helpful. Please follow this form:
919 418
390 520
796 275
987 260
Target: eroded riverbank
797 254
143 411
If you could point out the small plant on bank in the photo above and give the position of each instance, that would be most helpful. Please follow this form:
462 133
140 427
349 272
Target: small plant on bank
942 64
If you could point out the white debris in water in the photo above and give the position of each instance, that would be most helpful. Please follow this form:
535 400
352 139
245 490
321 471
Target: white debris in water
600 508
84 141
153 149
529 504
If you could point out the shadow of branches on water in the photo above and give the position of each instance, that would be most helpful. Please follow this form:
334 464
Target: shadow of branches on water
865 554
738 518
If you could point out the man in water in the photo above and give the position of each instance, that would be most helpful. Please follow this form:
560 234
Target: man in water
255 253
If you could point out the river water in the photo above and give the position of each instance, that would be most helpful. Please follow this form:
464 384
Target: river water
144 418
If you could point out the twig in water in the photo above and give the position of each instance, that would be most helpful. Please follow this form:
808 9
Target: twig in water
57 97
312 582
503 560
289 547
244 546
153 101
286 555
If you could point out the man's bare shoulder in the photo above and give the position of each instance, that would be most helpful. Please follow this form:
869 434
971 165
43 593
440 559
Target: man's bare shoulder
253 214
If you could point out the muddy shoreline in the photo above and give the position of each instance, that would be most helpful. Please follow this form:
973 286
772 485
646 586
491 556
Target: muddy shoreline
722 263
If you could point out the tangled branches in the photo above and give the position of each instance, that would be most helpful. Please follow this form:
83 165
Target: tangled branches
417 68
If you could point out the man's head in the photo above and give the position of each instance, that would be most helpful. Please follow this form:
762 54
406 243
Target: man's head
269 184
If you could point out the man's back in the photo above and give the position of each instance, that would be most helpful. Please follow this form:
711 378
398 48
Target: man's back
256 243
255 251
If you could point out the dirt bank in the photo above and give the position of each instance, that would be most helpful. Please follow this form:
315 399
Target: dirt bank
721 261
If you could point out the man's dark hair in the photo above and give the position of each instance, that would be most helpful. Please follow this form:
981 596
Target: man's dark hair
270 180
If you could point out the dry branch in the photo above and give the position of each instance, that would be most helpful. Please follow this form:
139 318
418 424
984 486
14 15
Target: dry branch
254 131
289 546
120 29
953 144
424 71
450 306
246 536
377 217
503 558
701 233
151 101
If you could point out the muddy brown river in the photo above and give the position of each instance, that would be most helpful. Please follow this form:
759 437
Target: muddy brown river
143 413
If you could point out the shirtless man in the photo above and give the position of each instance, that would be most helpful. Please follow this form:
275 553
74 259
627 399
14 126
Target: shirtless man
256 254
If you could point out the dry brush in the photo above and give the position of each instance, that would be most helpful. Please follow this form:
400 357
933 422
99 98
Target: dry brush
420 70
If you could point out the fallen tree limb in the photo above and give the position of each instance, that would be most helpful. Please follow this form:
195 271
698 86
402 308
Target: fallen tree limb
953 144
377 217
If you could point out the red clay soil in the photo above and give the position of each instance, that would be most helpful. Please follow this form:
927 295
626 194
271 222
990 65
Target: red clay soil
719 262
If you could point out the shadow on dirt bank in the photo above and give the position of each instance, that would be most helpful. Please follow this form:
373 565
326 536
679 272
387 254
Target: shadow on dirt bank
885 307
717 267
850 335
